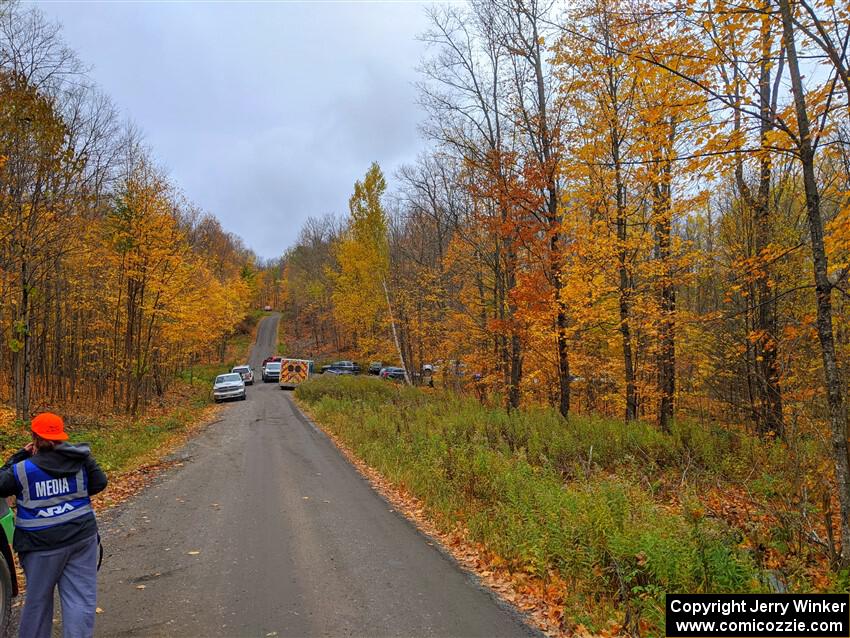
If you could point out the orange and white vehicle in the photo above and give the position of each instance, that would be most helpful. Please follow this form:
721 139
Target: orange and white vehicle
293 372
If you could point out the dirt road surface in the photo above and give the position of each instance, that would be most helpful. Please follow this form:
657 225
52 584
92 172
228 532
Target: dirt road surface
264 529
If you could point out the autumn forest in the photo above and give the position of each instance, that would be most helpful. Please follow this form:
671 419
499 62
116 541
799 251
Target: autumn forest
636 210
632 213
112 281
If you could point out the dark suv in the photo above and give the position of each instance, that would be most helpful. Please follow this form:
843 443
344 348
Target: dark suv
342 367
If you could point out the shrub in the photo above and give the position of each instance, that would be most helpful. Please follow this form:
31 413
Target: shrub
546 494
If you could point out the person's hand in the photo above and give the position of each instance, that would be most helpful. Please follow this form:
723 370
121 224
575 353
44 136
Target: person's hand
30 447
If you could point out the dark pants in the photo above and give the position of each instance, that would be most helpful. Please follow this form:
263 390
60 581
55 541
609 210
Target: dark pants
74 570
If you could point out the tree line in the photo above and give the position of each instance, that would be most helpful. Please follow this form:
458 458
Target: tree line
111 282
632 209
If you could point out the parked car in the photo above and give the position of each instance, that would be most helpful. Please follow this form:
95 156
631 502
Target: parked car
335 372
267 308
228 386
8 579
272 358
375 367
393 373
271 371
247 373
346 367
293 372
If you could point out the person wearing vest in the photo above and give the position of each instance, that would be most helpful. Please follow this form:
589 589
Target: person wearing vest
55 528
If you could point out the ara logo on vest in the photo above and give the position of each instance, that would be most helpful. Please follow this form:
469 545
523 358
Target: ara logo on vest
55 510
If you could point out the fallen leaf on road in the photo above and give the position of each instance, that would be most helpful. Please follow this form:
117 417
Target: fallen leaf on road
98 610
306 498
194 552
271 633
140 586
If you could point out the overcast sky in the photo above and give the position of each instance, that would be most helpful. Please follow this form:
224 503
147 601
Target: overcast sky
263 114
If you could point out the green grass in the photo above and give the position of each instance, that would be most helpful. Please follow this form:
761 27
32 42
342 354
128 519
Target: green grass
613 510
118 444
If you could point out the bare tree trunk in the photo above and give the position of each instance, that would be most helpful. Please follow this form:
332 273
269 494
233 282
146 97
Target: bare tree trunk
625 299
666 294
515 353
524 34
667 336
23 328
626 285
564 376
823 287
482 310
768 409
395 332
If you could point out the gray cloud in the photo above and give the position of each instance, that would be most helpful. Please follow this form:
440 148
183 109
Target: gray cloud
263 114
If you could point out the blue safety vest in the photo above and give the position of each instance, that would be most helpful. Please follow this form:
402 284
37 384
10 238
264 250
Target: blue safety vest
46 501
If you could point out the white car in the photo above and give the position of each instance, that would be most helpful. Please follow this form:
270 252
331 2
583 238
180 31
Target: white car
229 386
247 373
271 372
